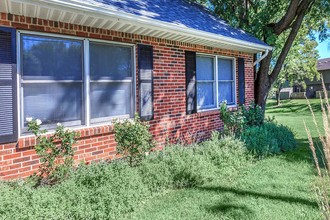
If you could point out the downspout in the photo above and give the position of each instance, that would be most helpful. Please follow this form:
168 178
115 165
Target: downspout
259 60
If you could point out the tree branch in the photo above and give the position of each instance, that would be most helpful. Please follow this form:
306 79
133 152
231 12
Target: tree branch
288 18
286 48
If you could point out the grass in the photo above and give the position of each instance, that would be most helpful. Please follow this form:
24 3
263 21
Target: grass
279 187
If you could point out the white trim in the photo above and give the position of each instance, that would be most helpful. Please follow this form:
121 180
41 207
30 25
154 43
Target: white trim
44 34
111 81
86 83
145 22
18 67
110 42
26 81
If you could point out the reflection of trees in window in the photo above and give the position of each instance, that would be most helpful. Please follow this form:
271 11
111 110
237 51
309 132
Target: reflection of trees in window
52 59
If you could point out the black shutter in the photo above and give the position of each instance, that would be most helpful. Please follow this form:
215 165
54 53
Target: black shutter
191 100
146 94
241 81
8 87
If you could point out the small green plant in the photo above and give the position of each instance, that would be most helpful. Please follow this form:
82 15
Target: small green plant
235 122
133 139
55 151
253 115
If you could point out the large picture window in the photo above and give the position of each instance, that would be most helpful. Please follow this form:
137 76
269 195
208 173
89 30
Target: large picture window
215 81
75 81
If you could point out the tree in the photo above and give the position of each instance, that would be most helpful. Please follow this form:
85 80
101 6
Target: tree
299 65
276 22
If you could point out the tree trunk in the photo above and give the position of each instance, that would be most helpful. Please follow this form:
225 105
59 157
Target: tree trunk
278 95
278 98
262 83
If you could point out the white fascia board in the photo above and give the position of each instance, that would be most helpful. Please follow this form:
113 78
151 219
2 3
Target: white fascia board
149 22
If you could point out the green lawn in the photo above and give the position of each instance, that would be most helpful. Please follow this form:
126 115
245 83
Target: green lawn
279 187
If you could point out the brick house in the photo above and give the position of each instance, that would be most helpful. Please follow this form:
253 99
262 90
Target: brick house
84 63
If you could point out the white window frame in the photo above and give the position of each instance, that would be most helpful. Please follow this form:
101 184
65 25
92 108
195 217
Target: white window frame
86 117
216 81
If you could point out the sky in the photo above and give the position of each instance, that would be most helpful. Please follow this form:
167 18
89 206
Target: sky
324 49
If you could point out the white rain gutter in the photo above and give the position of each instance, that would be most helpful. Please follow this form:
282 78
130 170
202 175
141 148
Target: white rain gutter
261 58
149 22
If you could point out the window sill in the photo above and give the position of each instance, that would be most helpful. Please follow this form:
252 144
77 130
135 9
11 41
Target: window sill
230 107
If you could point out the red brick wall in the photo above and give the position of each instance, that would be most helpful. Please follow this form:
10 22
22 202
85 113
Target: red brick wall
170 124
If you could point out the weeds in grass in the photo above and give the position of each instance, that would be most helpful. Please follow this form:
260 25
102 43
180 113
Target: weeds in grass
322 185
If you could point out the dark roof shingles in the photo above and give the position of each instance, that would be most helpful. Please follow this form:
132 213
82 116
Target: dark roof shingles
179 12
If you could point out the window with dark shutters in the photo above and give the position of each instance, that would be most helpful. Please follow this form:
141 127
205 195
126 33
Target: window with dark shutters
8 87
146 96
191 100
241 81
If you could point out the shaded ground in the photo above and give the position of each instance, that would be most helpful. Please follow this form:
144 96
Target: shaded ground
279 187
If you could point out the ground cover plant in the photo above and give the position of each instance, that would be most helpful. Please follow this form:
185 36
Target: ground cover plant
111 191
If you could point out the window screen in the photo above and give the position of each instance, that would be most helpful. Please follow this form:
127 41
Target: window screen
111 69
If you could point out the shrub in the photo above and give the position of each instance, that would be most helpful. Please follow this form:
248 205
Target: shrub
270 138
235 122
55 151
133 139
253 115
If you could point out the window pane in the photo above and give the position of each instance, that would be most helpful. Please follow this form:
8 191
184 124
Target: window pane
204 68
225 69
226 92
110 61
53 103
110 99
47 58
205 95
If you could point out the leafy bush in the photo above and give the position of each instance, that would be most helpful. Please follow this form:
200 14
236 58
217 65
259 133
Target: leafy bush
233 121
111 190
245 116
270 138
253 115
133 139
55 151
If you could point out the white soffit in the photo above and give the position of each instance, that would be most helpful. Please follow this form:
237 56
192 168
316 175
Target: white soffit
82 13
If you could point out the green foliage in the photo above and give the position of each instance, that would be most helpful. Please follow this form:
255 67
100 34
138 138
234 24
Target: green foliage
270 138
234 121
133 139
245 116
111 191
55 152
253 115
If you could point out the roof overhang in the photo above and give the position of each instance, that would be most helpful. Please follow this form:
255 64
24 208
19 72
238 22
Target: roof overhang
98 16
